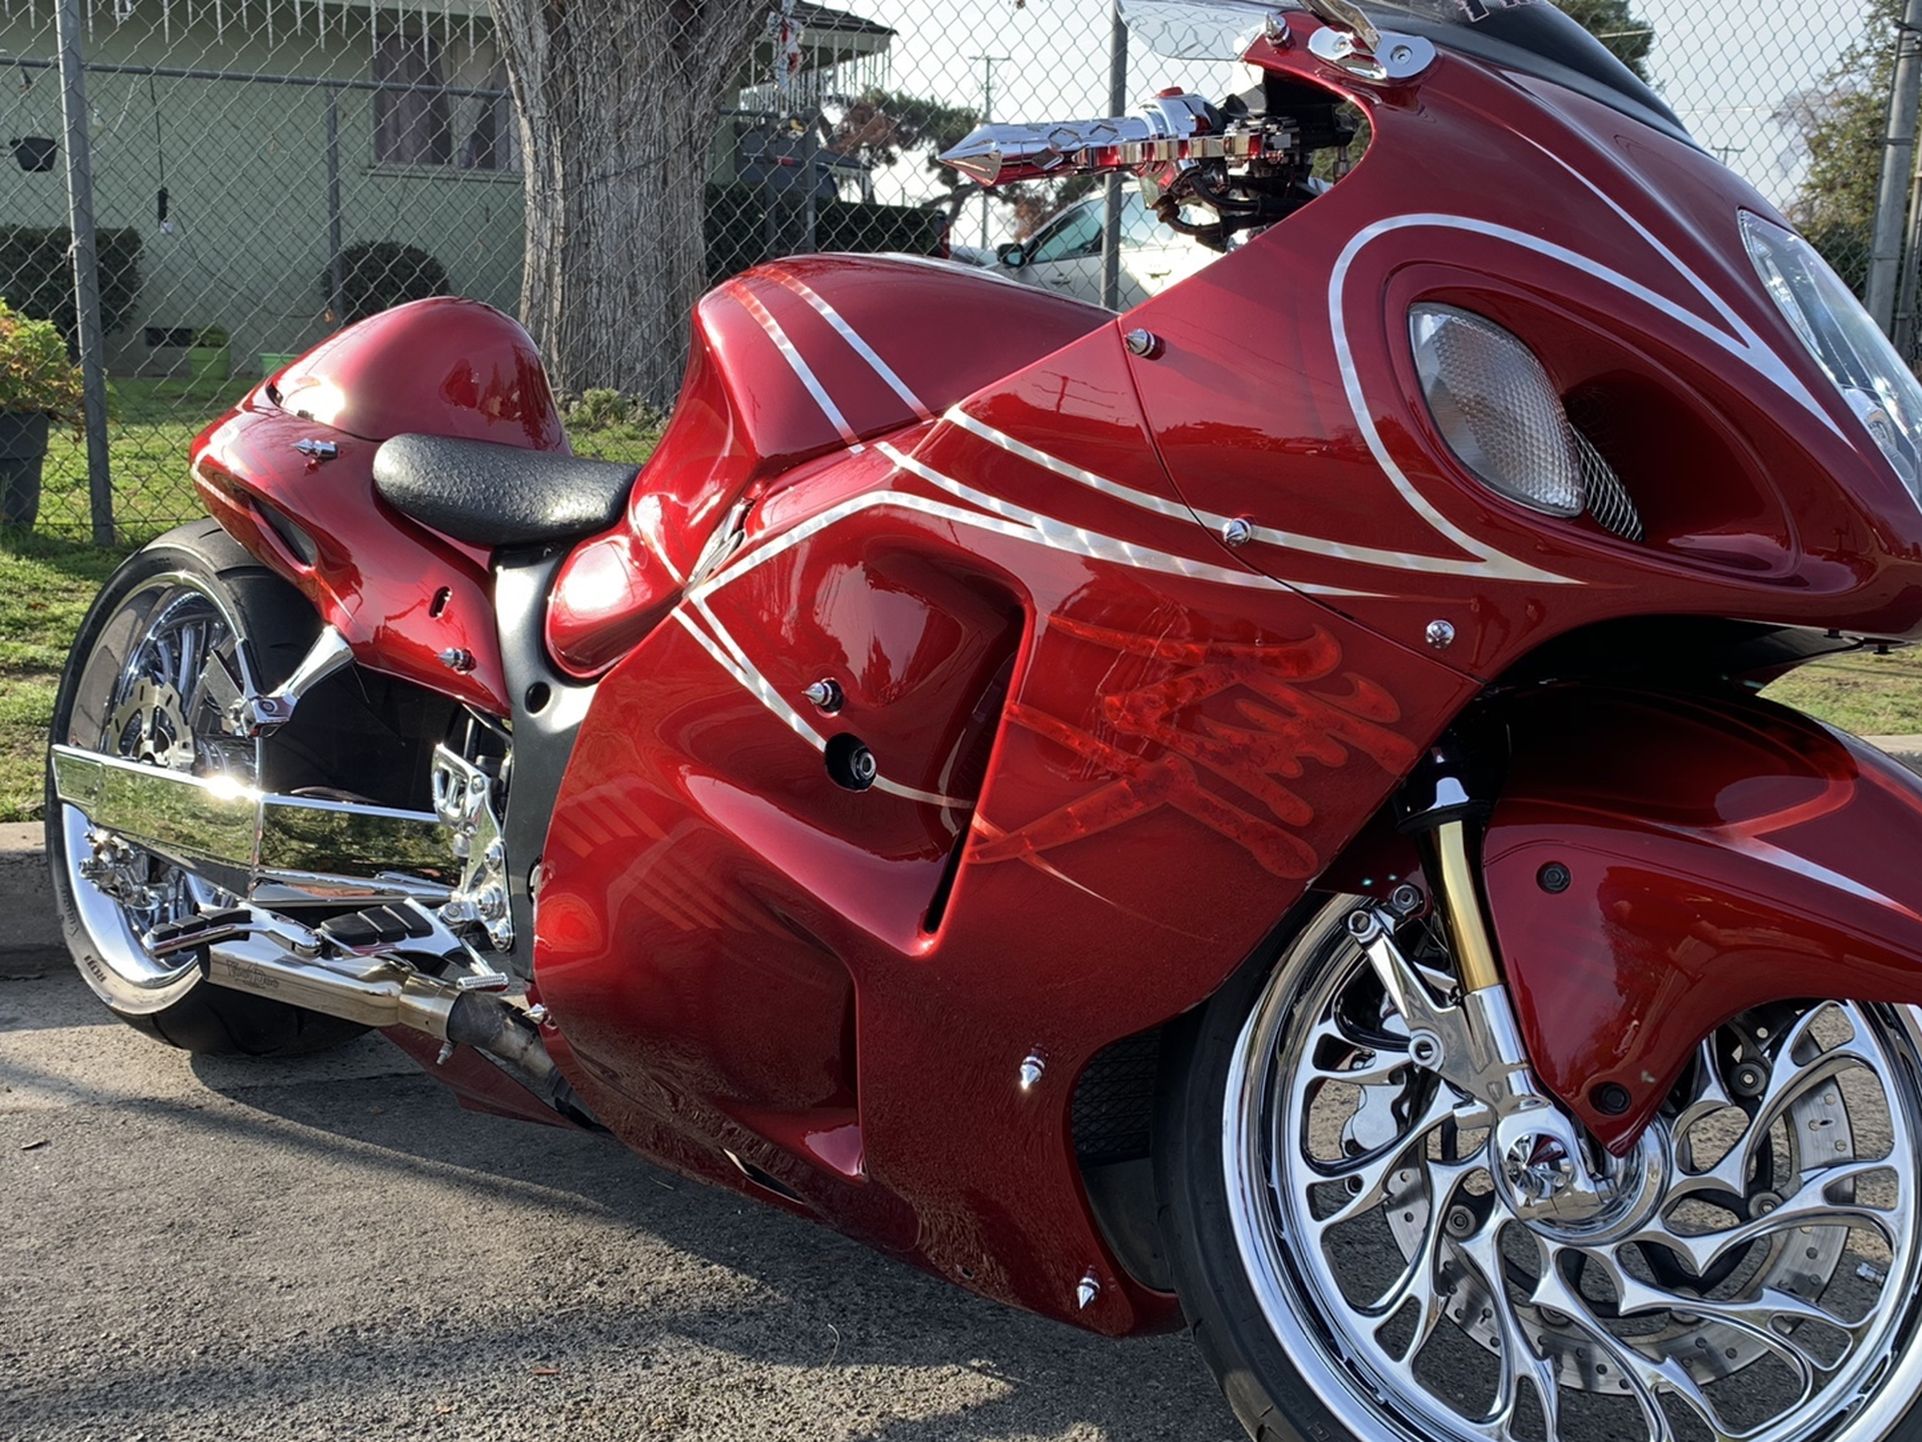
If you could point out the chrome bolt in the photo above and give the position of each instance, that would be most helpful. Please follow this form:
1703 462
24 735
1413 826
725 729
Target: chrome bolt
1749 1080
1401 55
537 1013
1763 1203
457 658
1238 532
825 695
1086 1291
1144 343
1425 1049
446 1050
1364 925
1405 899
1460 1222
491 903
1032 1067
496 853
863 767
1277 31
1440 635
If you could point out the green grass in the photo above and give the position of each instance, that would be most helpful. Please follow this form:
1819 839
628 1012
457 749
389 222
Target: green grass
1861 692
151 424
46 585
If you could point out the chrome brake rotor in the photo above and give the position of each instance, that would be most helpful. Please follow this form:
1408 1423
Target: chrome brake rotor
150 725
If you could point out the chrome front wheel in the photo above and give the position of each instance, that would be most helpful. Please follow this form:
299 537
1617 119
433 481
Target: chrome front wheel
1755 1276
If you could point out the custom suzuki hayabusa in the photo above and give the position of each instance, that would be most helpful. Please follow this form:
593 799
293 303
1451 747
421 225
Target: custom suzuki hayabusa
1254 812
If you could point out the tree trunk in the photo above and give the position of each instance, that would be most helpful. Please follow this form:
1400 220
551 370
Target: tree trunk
618 102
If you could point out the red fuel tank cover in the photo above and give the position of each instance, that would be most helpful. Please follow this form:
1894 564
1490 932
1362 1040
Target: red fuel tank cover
444 367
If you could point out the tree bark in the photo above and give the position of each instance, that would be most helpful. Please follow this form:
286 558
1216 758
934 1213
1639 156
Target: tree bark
618 102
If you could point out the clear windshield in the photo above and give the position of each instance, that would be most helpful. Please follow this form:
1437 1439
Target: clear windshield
1529 35
1224 29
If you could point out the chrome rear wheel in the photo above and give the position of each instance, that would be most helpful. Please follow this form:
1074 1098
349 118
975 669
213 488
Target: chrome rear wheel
155 686
185 628
1755 1279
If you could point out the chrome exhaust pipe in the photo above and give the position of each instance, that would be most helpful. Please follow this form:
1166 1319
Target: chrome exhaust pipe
375 984
271 957
260 844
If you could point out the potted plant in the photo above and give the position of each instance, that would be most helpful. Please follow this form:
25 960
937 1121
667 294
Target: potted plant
209 359
39 385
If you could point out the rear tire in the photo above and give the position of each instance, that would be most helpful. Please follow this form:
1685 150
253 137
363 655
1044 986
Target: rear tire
271 627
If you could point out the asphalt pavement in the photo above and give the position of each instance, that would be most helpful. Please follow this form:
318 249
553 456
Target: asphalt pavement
332 1248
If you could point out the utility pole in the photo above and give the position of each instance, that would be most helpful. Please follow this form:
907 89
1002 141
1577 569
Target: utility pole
1898 164
988 62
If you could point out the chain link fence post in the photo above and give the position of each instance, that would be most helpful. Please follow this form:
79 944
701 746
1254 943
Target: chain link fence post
86 268
1117 105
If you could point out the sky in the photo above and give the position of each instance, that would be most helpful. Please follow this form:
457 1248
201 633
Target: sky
1723 65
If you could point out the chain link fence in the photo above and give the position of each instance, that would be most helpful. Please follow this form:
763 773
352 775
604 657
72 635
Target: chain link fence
262 172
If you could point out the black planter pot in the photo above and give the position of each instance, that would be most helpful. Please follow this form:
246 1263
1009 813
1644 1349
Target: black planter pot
23 448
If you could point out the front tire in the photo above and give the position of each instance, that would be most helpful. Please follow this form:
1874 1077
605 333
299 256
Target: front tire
186 623
1350 1270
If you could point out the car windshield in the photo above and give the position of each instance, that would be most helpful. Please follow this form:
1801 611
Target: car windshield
1531 36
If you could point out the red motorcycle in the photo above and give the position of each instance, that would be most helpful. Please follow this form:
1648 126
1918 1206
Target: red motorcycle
1254 811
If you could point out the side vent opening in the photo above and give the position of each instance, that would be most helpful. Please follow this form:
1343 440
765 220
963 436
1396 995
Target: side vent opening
1112 1120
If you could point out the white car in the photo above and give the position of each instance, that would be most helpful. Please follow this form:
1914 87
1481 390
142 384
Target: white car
1065 253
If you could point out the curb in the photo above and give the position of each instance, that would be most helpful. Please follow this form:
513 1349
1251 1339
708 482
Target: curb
26 895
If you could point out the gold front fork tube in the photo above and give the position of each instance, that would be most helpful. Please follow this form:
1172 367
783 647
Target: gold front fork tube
1460 895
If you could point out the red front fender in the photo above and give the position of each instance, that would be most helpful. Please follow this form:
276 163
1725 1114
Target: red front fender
1723 853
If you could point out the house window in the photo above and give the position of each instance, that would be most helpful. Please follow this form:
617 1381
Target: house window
411 125
433 108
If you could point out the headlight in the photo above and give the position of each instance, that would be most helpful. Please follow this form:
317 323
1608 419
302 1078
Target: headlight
1497 409
1846 343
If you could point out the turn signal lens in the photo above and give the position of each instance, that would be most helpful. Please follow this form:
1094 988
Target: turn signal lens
1497 409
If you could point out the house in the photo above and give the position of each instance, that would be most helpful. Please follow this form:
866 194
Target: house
248 142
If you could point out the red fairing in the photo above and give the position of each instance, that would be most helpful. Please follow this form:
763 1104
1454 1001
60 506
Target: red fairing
446 367
1068 690
1285 391
745 418
399 593
1723 855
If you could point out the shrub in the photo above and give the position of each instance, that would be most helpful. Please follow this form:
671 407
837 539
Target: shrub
599 409
36 267
377 275
35 374
737 228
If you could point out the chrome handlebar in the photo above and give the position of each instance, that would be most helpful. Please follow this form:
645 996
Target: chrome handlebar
1167 135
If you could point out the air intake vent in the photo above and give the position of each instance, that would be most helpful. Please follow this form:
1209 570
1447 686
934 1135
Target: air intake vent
1607 498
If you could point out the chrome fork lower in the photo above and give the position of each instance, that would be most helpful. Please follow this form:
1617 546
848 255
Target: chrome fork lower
1546 1166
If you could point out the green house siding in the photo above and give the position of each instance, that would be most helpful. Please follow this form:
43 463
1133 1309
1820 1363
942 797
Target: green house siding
244 165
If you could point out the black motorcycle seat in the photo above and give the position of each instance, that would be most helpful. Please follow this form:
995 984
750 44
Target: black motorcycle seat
494 495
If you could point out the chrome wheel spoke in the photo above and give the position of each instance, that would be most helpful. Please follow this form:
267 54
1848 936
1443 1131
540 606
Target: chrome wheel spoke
1647 1378
1367 1176
1521 1361
1419 1278
1809 1205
